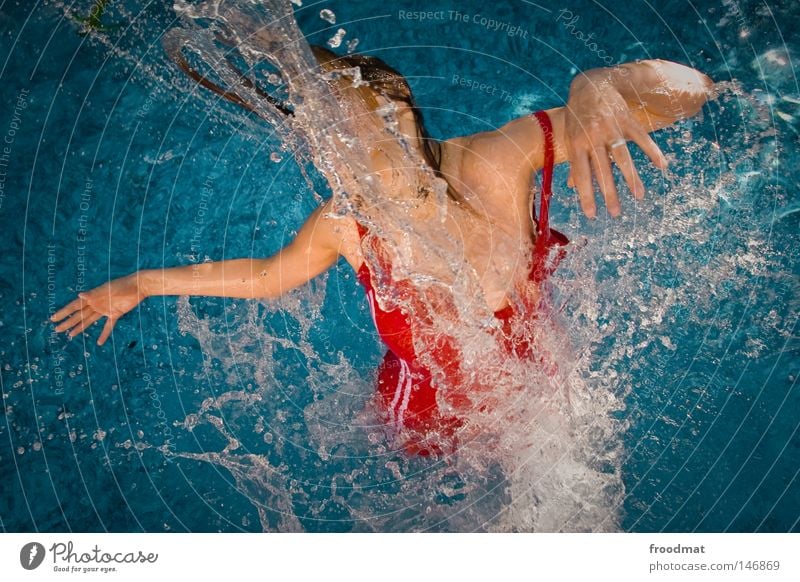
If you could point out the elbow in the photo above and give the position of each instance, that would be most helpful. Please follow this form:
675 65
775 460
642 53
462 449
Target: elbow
708 86
706 81
692 88
698 91
685 91
700 85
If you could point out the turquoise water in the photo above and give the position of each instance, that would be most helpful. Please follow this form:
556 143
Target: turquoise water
220 415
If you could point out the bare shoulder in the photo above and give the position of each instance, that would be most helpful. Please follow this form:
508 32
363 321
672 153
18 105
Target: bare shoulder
497 148
518 145
499 160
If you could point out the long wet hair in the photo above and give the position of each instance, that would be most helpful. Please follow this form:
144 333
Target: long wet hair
379 78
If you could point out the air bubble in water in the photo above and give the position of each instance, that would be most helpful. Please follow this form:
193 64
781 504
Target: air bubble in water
351 45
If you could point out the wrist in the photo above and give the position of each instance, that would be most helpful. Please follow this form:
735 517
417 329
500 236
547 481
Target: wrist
593 79
144 281
616 79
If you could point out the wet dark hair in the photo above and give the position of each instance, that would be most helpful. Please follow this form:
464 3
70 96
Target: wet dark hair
388 82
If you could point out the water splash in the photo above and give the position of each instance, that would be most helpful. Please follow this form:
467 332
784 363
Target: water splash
526 460
541 452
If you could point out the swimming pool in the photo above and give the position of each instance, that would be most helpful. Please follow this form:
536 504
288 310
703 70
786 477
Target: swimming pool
220 415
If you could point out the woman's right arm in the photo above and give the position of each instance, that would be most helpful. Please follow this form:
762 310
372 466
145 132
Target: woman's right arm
314 250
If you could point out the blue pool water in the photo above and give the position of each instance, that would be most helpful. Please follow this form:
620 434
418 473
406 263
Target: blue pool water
206 414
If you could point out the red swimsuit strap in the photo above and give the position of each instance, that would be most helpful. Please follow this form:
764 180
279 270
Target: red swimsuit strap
547 173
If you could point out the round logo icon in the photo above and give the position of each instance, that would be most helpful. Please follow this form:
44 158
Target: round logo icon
31 555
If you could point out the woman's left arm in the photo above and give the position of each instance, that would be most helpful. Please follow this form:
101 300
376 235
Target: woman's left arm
606 109
609 106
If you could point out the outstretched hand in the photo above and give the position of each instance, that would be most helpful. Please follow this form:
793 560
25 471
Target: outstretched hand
111 300
598 125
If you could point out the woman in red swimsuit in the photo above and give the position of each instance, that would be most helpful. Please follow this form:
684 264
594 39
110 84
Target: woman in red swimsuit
488 178
406 391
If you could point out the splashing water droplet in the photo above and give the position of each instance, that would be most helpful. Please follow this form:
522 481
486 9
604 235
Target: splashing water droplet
554 477
327 16
336 40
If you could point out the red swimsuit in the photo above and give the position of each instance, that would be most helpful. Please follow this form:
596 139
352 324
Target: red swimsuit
405 389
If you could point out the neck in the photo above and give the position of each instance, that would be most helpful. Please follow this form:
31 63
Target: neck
449 155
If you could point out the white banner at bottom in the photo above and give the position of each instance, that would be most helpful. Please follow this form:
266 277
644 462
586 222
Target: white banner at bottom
401 557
